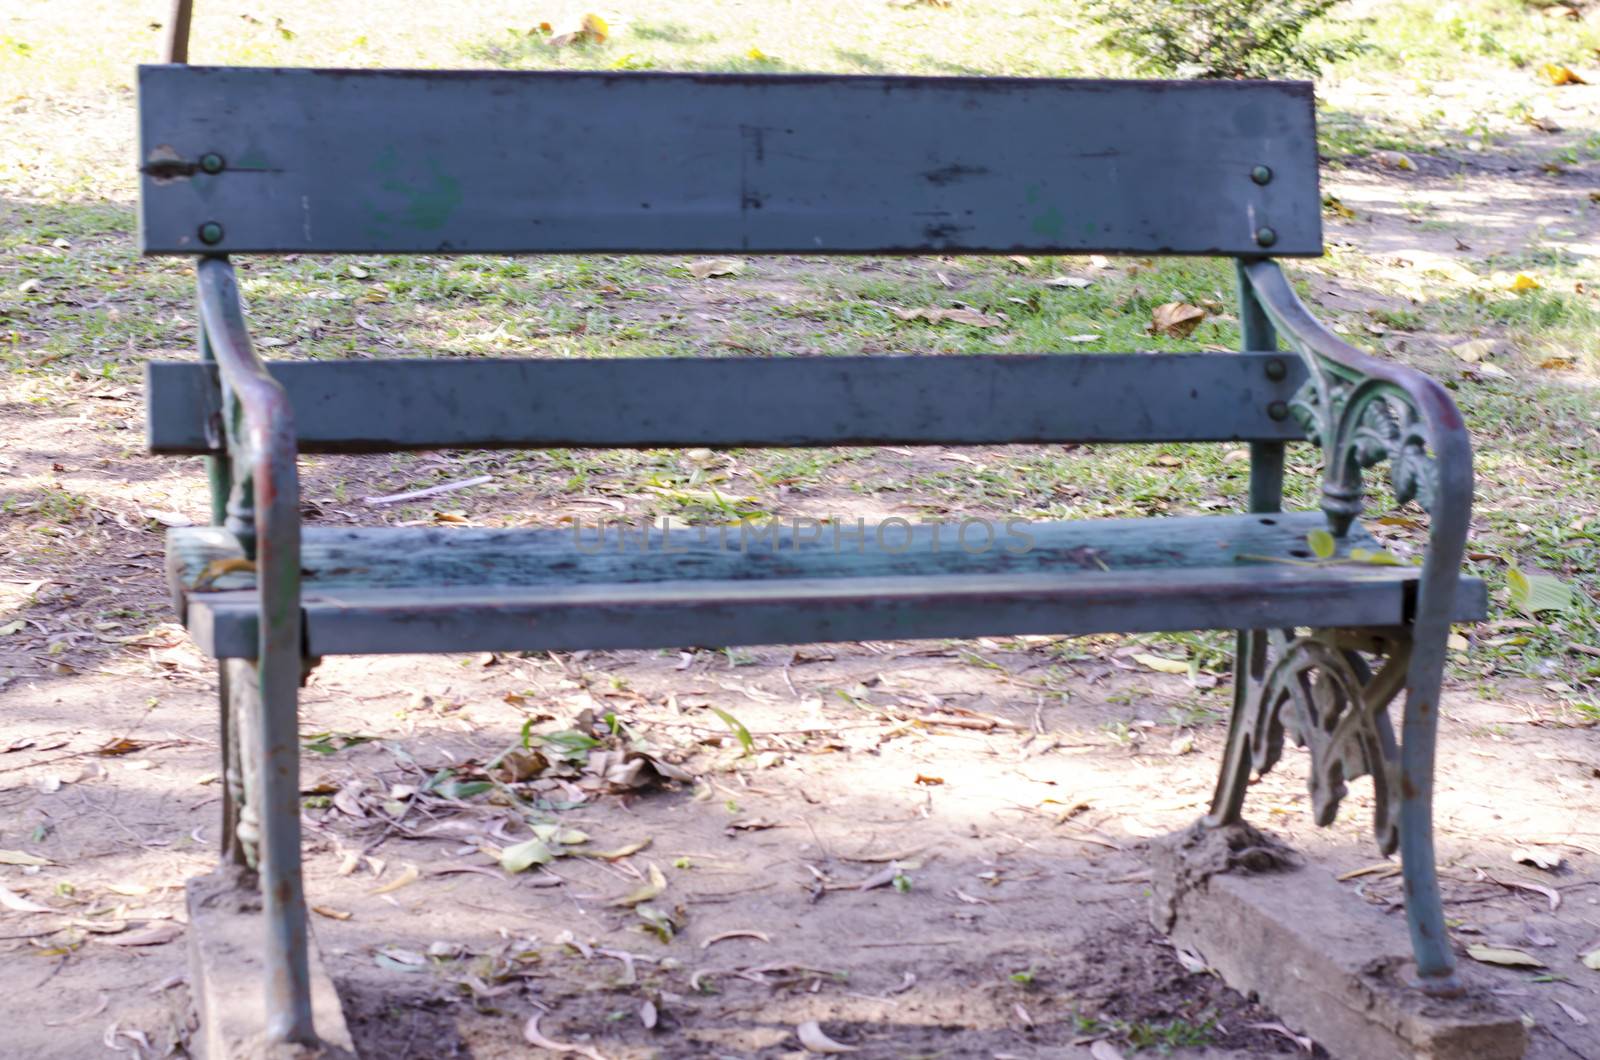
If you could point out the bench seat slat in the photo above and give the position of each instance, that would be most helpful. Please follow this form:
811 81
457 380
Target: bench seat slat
390 405
428 590
586 162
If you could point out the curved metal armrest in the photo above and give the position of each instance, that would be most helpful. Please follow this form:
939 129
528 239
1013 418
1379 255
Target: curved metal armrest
1362 410
259 426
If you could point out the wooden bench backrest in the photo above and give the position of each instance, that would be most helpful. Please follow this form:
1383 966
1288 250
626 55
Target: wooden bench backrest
259 160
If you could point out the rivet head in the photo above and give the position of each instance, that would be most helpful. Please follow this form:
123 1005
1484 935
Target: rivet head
1265 236
1261 174
1278 410
211 233
1276 370
211 162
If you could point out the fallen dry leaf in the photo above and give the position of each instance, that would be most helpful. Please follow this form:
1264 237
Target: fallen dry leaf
1573 1014
1160 664
14 901
532 1035
520 857
613 855
1104 1050
1505 955
960 316
120 746
1556 74
1068 281
590 29
21 857
812 1037
1175 319
744 933
1548 860
217 568
330 912
655 884
153 935
709 267
407 876
1592 960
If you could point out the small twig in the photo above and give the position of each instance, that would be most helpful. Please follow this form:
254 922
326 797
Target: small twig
431 491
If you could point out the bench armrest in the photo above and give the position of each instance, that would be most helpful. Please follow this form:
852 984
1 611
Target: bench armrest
1362 411
259 438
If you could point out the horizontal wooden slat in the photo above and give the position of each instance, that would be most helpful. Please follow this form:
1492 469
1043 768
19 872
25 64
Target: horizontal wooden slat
384 406
426 590
436 161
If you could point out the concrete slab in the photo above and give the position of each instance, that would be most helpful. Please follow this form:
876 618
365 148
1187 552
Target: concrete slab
1327 963
225 977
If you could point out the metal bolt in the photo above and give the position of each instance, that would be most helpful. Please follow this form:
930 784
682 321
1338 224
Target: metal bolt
1266 236
211 162
210 233
1261 174
1278 410
1276 370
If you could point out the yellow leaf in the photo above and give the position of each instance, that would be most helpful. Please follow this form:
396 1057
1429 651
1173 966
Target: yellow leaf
1176 319
1323 546
596 28
1162 665
1592 960
756 55
1557 74
613 855
1379 558
1474 350
408 876
656 884
1523 282
1340 209
219 567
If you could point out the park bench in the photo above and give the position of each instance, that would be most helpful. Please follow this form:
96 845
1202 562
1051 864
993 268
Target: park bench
241 161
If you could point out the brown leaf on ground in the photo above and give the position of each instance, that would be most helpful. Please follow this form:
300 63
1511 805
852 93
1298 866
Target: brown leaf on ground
970 317
1175 319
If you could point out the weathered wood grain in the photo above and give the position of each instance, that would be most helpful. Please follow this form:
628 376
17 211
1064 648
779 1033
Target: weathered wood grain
435 589
438 161
389 405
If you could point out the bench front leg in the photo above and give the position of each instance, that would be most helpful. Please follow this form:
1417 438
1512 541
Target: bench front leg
264 511
1363 411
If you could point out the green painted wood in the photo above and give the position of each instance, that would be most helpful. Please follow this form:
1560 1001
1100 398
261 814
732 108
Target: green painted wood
384 406
381 590
432 161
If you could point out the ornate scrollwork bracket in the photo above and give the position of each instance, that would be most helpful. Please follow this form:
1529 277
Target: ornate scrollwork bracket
1360 422
1319 690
